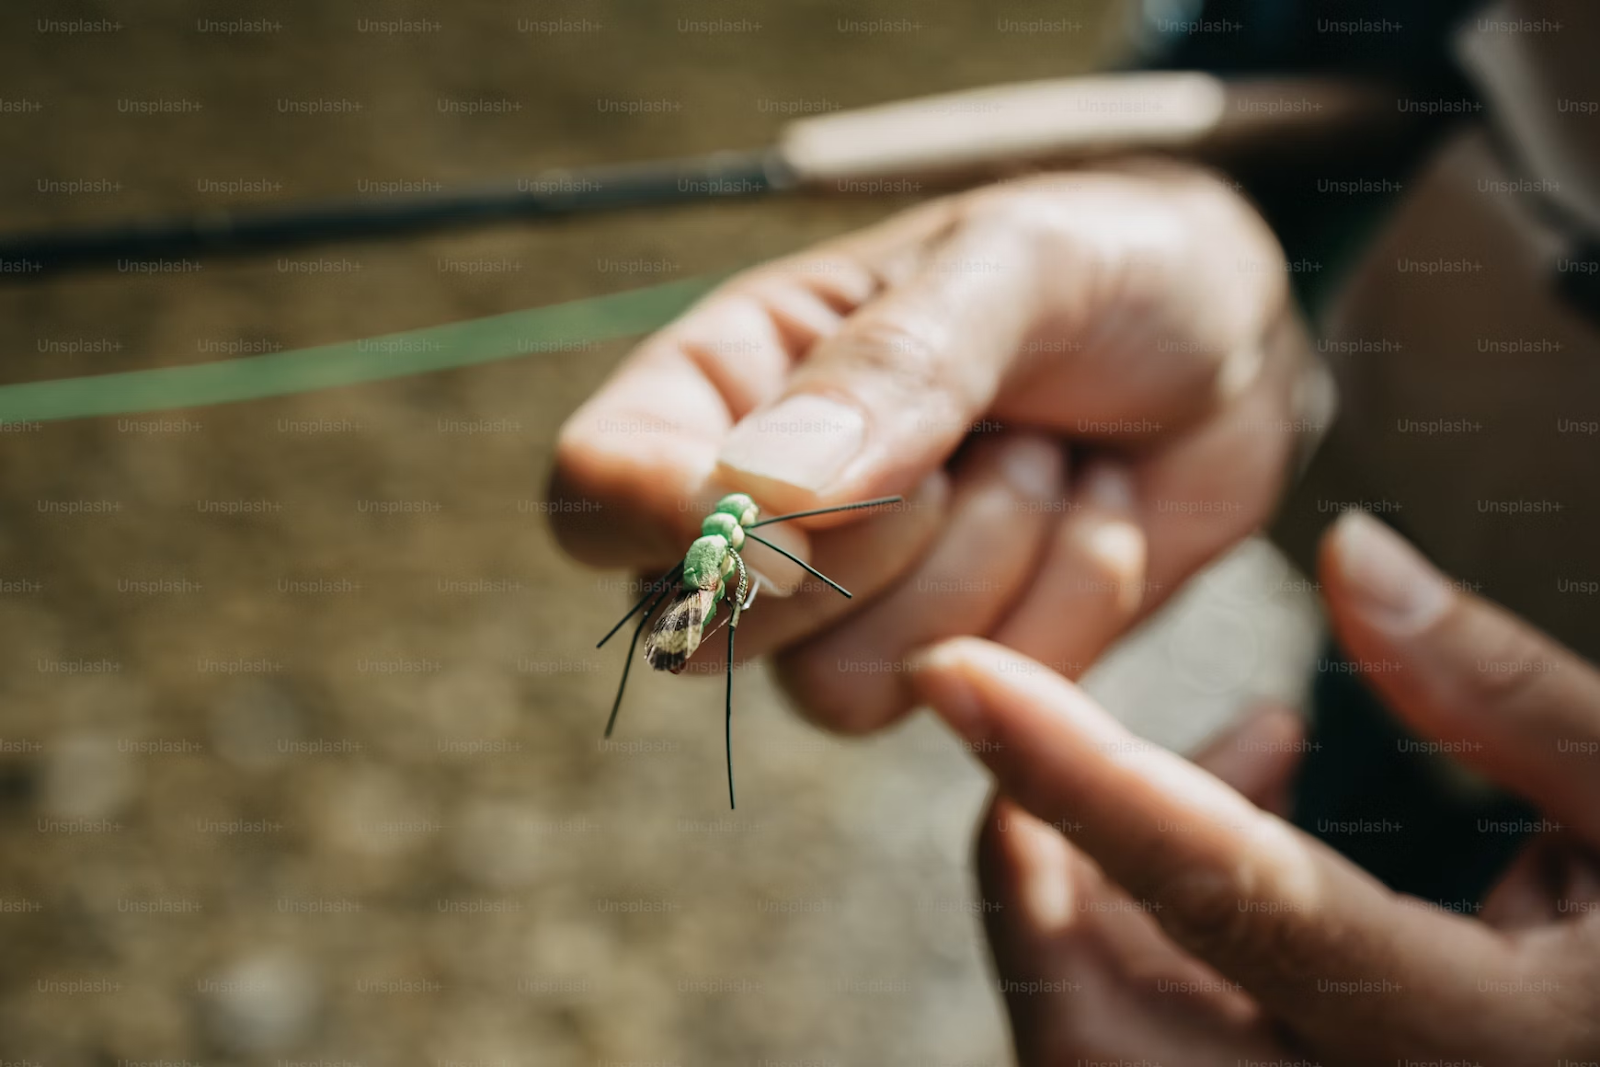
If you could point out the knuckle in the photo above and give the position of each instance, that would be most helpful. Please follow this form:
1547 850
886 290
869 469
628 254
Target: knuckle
1199 908
1510 668
1223 918
907 354
1569 974
834 275
1014 211
1012 231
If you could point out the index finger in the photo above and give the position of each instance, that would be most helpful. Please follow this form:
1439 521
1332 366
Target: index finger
1312 937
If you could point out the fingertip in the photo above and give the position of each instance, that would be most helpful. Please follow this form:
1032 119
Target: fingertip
1381 579
1025 868
949 677
966 658
931 664
1337 543
603 527
617 497
938 675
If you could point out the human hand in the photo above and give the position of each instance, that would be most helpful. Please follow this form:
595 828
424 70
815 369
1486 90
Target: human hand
1142 313
1150 910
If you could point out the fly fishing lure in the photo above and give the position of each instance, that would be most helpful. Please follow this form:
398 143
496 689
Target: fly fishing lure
702 581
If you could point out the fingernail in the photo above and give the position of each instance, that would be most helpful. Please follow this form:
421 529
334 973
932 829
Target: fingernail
1395 588
1315 402
1107 486
806 441
1117 546
1046 890
1033 467
936 673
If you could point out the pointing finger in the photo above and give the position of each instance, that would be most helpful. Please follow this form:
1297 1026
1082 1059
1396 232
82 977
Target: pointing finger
1313 938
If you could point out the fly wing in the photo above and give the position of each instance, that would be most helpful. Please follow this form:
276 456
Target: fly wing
677 632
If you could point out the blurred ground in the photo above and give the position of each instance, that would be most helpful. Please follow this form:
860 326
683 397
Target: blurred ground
271 792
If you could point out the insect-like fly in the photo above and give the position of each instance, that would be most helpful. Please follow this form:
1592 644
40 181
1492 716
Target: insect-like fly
702 583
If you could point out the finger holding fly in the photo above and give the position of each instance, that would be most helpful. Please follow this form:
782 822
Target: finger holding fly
1008 495
1345 964
634 464
637 464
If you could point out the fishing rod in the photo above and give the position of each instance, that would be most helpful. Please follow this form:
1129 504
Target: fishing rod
907 147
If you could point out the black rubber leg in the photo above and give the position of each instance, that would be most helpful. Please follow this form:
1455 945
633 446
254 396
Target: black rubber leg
727 727
802 563
651 591
633 647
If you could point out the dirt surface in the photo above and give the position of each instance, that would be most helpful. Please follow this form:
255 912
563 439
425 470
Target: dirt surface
274 787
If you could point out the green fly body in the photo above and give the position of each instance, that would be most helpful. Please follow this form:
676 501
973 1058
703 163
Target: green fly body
701 581
707 566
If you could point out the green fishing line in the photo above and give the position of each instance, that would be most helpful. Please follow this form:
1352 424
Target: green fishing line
544 330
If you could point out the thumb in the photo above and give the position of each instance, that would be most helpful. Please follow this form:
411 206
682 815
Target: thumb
1492 690
874 407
